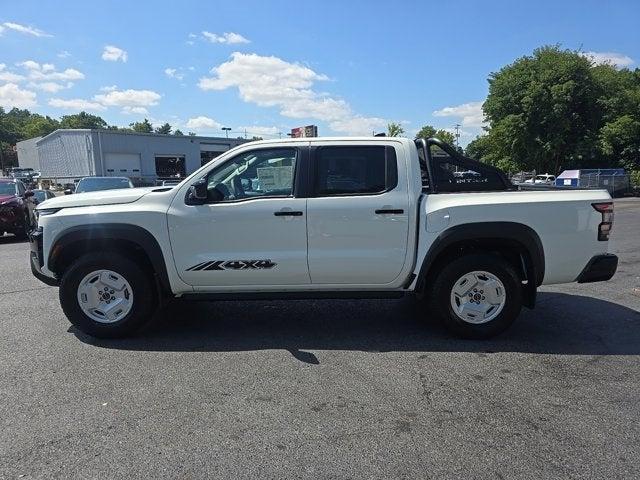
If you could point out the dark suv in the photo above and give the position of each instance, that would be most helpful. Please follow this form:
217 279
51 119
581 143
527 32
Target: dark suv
14 211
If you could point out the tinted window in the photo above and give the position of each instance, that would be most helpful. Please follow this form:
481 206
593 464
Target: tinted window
258 173
453 174
8 188
355 170
21 188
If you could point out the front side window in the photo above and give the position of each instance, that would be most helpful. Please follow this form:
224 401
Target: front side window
357 170
258 173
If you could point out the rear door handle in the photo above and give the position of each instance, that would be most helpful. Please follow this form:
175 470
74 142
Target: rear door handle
288 213
390 211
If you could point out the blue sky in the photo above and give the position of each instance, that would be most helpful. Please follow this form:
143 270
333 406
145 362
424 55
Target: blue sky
349 67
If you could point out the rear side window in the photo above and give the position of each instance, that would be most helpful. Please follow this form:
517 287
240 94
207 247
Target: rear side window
463 175
358 170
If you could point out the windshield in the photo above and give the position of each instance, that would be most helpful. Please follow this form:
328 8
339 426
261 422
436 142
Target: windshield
7 188
97 184
39 195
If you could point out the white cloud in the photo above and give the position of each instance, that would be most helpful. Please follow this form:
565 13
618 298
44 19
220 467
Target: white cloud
173 73
618 60
227 37
11 95
47 72
63 54
29 65
203 123
112 53
135 111
359 125
273 82
470 114
24 29
51 87
128 98
108 88
6 76
256 130
75 104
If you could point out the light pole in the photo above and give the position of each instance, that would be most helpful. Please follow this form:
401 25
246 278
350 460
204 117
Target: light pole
226 130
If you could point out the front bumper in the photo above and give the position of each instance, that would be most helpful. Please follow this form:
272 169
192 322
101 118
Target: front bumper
599 269
37 259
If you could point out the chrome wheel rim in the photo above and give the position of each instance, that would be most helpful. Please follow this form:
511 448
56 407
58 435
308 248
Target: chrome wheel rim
478 297
105 296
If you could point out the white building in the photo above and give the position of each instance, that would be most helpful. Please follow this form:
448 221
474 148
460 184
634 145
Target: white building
144 157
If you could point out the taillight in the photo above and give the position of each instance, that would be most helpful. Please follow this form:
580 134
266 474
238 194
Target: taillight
604 229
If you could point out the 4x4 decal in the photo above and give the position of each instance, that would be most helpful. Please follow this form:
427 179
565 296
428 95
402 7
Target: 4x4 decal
232 265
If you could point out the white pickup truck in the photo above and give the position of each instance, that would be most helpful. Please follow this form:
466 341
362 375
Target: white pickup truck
323 218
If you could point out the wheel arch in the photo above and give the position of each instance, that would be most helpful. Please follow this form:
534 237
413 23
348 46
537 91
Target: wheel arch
129 239
518 243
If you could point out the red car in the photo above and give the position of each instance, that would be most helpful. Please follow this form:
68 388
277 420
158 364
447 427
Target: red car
14 211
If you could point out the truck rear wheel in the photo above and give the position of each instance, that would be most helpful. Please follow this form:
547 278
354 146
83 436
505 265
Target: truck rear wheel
106 295
477 295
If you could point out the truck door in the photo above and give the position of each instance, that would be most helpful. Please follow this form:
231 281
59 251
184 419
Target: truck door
253 231
358 214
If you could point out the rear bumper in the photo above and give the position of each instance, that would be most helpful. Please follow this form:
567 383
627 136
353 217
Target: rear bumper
36 259
599 269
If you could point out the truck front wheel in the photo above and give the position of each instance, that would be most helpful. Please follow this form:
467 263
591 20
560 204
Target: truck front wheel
106 295
477 295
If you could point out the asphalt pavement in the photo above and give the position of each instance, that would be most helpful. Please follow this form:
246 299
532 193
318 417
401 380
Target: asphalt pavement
325 389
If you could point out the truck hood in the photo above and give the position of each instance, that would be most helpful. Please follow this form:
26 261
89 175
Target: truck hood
104 197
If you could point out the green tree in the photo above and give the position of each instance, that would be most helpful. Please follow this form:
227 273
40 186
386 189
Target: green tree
39 126
164 129
82 120
543 109
428 131
142 127
394 130
178 132
620 139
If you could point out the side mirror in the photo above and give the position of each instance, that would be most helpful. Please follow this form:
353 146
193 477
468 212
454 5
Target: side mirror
198 192
68 191
27 194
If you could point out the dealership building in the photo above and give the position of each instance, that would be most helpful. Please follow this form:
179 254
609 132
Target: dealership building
66 155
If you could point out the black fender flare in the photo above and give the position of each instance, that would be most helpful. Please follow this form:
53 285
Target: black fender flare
511 232
113 231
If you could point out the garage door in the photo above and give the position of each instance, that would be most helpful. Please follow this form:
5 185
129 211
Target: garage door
122 164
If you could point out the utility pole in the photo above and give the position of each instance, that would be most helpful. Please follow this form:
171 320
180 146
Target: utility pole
457 127
226 130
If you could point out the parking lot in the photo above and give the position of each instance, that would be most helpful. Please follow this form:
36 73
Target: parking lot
325 389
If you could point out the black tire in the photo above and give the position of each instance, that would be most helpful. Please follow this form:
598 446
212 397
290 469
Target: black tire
141 284
443 282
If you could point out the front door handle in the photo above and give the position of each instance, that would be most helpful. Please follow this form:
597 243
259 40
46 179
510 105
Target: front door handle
288 213
390 211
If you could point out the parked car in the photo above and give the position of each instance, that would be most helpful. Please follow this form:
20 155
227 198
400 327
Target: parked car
379 217
95 184
14 209
544 179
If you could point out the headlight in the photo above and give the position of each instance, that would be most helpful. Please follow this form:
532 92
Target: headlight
45 211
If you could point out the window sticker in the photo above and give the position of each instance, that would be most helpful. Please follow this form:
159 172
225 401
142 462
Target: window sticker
275 178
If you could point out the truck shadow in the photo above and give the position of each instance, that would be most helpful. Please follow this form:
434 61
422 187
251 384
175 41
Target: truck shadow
561 324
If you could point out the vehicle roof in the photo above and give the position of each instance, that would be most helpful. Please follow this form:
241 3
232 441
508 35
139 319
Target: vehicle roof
8 180
103 178
332 139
